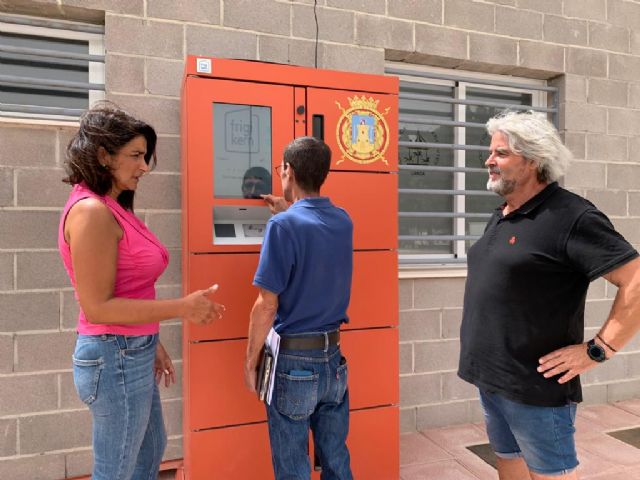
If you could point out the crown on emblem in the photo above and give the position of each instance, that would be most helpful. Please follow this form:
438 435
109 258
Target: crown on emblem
363 102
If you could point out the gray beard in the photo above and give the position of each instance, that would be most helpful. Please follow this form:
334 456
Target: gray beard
501 187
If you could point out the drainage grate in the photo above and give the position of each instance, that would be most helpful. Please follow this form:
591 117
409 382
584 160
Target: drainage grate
630 436
485 452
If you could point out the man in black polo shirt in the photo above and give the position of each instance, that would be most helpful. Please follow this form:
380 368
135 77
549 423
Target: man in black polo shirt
523 321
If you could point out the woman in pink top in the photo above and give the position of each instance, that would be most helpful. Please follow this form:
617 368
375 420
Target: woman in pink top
113 262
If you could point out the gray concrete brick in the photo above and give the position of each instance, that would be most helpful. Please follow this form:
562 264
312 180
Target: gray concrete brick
124 74
405 294
42 188
573 88
606 148
563 30
168 152
406 358
168 291
137 36
634 149
416 325
6 187
576 142
419 389
594 394
634 95
369 6
586 175
173 391
171 336
29 394
611 203
469 15
198 11
59 347
624 122
39 467
587 9
541 56
596 312
429 11
70 310
353 59
450 292
130 7
634 42
166 226
375 31
624 67
266 16
608 92
6 354
634 204
608 37
63 138
407 420
584 117
27 147
148 195
586 62
217 42
172 411
518 23
29 311
442 415
451 321
164 77
162 113
545 6
624 13
623 390
614 369
493 50
43 433
597 288
173 274
40 270
6 271
442 42
79 463
174 450
8 436
69 399
436 356
333 25
454 388
628 227
288 51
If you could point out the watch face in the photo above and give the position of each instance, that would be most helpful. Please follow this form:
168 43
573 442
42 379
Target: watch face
596 352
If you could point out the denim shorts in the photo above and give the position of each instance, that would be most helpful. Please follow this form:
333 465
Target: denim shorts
543 436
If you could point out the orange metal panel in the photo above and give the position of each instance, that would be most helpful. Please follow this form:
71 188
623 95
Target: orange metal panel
374 443
372 356
199 194
218 396
235 453
300 107
246 70
234 274
338 107
372 202
374 290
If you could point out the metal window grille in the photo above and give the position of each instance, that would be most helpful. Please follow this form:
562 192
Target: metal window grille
49 69
444 204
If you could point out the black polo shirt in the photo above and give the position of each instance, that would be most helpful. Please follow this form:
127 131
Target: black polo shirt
525 294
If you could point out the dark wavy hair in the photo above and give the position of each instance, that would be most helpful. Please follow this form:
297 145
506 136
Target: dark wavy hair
107 126
311 159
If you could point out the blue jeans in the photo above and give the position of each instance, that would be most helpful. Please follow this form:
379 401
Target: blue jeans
543 436
310 392
114 376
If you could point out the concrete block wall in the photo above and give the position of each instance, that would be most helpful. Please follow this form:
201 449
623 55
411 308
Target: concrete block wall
590 49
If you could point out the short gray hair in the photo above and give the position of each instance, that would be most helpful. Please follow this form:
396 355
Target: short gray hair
531 135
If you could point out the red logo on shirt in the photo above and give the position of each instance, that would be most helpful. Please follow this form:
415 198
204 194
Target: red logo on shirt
512 240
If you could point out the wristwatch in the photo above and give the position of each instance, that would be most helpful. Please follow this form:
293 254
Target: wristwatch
595 351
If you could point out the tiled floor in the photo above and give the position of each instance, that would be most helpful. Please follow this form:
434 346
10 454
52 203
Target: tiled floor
441 453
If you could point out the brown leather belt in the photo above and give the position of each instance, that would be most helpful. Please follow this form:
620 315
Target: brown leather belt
321 341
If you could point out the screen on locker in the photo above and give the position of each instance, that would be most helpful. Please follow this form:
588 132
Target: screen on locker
242 150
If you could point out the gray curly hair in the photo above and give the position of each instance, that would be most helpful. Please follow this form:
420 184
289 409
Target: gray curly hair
531 135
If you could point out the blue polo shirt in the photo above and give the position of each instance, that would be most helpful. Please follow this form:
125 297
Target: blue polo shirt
307 260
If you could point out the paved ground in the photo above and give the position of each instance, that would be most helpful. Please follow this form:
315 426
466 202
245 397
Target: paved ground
441 453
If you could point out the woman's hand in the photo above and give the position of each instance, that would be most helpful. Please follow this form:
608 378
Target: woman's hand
164 366
200 309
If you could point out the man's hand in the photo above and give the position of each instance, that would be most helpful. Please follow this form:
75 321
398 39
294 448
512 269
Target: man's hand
250 377
572 361
276 204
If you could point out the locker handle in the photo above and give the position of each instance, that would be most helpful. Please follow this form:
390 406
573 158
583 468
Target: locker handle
318 127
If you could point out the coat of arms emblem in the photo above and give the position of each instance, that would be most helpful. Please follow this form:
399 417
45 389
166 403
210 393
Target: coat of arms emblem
362 132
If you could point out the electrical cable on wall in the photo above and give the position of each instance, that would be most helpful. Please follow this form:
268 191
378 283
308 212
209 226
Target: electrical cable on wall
315 15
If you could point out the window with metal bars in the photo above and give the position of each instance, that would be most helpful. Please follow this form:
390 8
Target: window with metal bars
443 201
49 69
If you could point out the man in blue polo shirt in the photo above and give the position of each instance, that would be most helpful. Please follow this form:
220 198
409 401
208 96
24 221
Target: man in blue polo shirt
304 281
522 329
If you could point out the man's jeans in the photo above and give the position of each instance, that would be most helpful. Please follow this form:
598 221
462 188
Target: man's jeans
114 376
310 392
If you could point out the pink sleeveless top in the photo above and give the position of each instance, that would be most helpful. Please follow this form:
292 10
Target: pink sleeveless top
141 260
